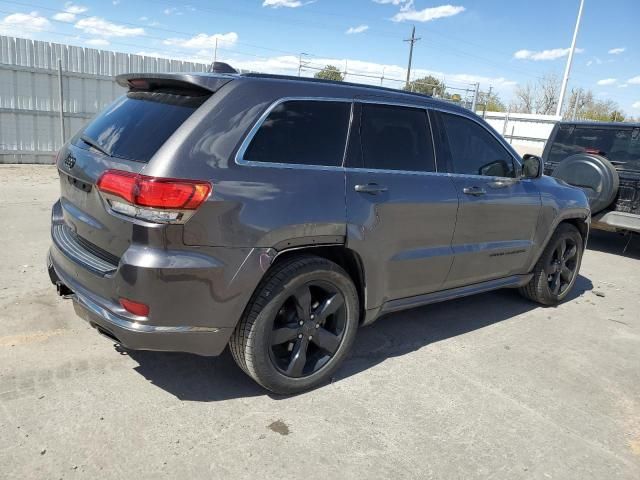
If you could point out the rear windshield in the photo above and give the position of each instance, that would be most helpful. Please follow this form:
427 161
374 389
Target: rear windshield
136 125
621 146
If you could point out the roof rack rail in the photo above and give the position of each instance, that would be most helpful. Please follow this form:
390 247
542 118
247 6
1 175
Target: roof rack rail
333 82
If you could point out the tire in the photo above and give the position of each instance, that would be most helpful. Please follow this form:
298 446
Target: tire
542 286
594 175
301 296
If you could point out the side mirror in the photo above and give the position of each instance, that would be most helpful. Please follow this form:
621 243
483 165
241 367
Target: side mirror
532 166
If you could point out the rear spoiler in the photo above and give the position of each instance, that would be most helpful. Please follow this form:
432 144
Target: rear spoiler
208 82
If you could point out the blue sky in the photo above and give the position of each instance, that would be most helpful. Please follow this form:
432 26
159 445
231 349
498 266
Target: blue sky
493 42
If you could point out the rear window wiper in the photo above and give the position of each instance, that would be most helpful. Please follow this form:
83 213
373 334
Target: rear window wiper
93 144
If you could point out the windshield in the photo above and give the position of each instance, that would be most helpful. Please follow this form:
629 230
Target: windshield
621 146
136 125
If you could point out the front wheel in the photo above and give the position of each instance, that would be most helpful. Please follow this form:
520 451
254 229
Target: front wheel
556 271
299 325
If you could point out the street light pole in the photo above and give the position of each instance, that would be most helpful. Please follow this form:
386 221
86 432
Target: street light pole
567 70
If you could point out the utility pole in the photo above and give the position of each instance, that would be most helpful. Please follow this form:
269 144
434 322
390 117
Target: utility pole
575 105
300 63
486 101
412 41
215 52
474 104
567 70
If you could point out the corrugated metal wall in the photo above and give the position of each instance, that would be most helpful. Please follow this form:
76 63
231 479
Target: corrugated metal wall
29 105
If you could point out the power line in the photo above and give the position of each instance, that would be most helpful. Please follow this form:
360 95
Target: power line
271 18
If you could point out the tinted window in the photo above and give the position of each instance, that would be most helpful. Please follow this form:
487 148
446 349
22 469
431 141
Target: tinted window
474 151
396 138
303 132
619 145
136 125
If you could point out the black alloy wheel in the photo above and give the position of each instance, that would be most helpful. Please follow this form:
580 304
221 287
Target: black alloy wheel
556 271
299 325
308 329
562 266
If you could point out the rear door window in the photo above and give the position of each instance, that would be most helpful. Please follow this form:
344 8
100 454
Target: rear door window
396 138
473 150
304 132
136 125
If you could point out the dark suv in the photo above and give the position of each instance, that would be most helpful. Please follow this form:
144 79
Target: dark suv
277 215
604 160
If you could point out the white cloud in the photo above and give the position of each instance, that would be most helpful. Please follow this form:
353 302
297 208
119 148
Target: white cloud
409 13
391 2
616 51
283 3
70 12
358 29
23 24
100 26
97 42
607 81
73 8
204 41
636 105
64 17
634 80
172 11
551 54
623 85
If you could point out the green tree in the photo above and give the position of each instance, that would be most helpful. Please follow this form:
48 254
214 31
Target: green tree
585 106
428 85
492 101
330 73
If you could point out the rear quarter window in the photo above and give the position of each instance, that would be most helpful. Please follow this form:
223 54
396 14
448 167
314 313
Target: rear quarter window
137 124
305 132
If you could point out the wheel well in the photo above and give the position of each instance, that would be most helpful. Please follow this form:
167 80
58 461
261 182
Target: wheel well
580 224
348 259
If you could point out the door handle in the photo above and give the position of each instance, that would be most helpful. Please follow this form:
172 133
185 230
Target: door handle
371 188
475 191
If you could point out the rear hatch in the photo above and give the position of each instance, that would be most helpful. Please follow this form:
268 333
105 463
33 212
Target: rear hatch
124 137
618 143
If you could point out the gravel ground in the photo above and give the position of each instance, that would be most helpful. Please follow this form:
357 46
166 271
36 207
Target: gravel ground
485 387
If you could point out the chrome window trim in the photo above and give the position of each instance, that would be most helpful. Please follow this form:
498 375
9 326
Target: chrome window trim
239 157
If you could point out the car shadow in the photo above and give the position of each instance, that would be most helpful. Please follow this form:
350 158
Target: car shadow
615 243
202 379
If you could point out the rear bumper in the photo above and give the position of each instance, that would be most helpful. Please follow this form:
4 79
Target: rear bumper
614 221
196 295
135 335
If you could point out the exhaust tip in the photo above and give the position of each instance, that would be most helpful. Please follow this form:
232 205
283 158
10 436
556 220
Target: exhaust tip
63 290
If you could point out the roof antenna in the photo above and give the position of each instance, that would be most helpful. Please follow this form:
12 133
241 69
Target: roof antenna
221 67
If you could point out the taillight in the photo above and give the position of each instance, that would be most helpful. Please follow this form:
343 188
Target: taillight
595 151
160 200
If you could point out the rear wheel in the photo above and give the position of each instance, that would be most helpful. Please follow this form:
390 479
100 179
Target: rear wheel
556 271
298 326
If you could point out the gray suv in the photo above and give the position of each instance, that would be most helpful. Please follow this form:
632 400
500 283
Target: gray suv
278 215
